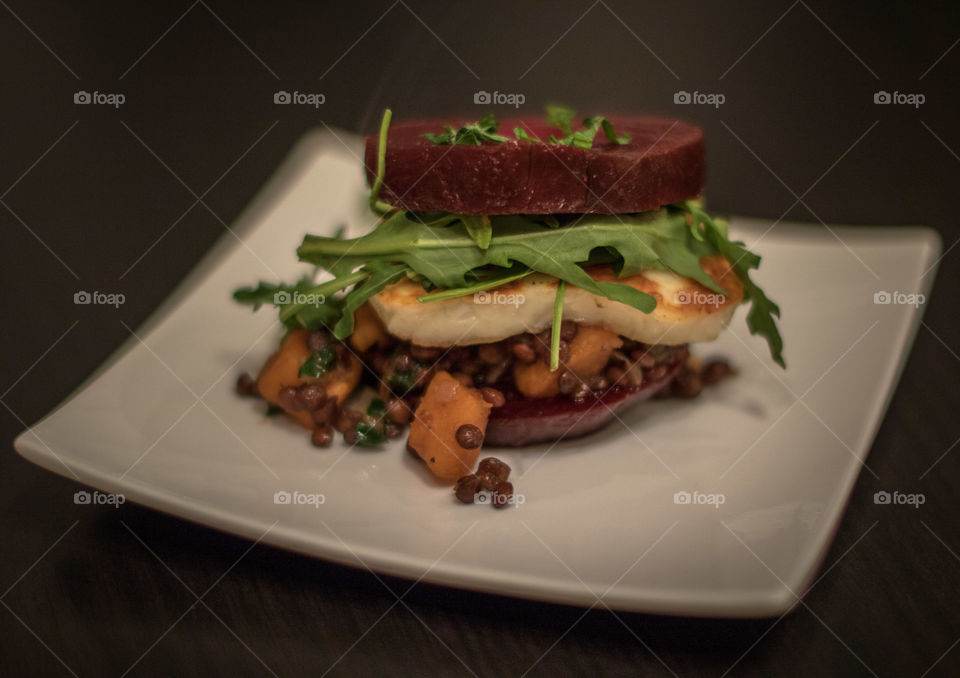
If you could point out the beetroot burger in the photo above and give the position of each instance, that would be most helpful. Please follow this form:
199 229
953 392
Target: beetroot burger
527 278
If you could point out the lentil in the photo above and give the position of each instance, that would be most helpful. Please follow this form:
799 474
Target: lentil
466 488
469 437
495 467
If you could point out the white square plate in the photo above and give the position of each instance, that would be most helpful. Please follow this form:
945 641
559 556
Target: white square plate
161 424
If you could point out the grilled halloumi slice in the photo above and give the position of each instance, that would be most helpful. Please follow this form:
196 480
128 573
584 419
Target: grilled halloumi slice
686 310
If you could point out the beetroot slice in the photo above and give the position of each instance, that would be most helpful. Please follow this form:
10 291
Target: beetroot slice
663 163
537 420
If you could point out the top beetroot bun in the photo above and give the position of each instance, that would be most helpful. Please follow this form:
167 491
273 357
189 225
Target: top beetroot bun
663 163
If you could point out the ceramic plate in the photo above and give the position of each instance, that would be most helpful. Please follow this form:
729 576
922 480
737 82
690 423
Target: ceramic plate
723 505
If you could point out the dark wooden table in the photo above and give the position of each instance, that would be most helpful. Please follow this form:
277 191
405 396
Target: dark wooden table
87 190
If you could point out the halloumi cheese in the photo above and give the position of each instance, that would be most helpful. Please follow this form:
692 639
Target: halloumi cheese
686 310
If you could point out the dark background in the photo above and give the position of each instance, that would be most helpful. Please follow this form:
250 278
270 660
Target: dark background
86 190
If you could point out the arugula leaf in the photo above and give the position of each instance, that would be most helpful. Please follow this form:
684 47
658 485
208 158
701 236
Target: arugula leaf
310 315
479 229
314 306
762 309
309 301
445 256
319 362
448 258
263 293
316 317
474 134
381 275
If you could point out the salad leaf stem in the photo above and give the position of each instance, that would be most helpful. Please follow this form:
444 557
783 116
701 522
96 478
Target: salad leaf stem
480 286
555 329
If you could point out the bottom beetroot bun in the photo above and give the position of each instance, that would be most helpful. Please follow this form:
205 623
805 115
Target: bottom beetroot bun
538 420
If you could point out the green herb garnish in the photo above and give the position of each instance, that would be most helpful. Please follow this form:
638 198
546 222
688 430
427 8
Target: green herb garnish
521 135
369 436
319 363
562 117
405 379
377 408
474 134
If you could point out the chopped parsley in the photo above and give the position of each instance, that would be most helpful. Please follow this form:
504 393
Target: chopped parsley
474 134
319 362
